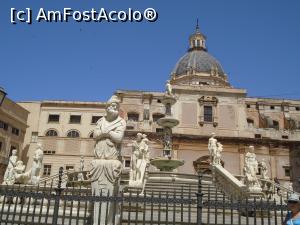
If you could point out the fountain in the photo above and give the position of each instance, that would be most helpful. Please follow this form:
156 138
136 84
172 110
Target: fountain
167 161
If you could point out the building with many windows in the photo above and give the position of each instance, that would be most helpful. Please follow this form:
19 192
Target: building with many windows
13 124
206 103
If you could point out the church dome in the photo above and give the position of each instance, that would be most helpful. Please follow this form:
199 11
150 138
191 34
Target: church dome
199 61
197 66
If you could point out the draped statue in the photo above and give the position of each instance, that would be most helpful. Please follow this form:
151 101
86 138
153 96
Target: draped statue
106 166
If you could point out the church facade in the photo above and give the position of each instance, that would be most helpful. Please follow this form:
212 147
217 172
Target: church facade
206 103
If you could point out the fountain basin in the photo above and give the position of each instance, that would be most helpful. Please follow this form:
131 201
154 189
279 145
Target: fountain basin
168 121
168 99
166 164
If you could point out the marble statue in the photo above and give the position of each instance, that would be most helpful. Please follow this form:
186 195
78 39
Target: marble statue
250 170
264 170
217 156
81 163
9 175
37 164
81 167
167 142
168 88
106 166
139 161
145 149
136 152
20 177
212 146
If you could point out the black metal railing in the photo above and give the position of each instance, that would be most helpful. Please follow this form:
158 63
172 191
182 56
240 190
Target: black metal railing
54 205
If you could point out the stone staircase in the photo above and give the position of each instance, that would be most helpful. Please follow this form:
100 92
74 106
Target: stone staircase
180 186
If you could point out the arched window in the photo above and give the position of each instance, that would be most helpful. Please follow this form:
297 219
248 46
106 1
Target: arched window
132 116
250 123
51 133
73 134
157 116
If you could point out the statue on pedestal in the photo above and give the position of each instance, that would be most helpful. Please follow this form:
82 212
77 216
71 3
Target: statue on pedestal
106 166
9 175
212 147
250 170
139 161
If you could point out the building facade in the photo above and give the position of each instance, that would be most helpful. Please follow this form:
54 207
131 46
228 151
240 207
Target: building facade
13 125
206 103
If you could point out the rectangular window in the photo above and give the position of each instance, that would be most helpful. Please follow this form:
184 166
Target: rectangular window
133 117
1 143
34 136
250 123
159 130
95 119
69 167
127 163
287 172
129 128
49 152
15 131
208 114
75 119
257 136
3 125
53 118
275 124
47 170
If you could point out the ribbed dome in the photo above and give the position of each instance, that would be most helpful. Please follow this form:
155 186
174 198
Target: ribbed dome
199 61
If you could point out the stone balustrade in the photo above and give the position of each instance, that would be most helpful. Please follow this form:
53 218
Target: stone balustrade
228 183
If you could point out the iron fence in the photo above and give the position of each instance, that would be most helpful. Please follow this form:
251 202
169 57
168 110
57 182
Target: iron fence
49 205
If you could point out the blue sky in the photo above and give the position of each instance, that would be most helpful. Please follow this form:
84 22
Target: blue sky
257 43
